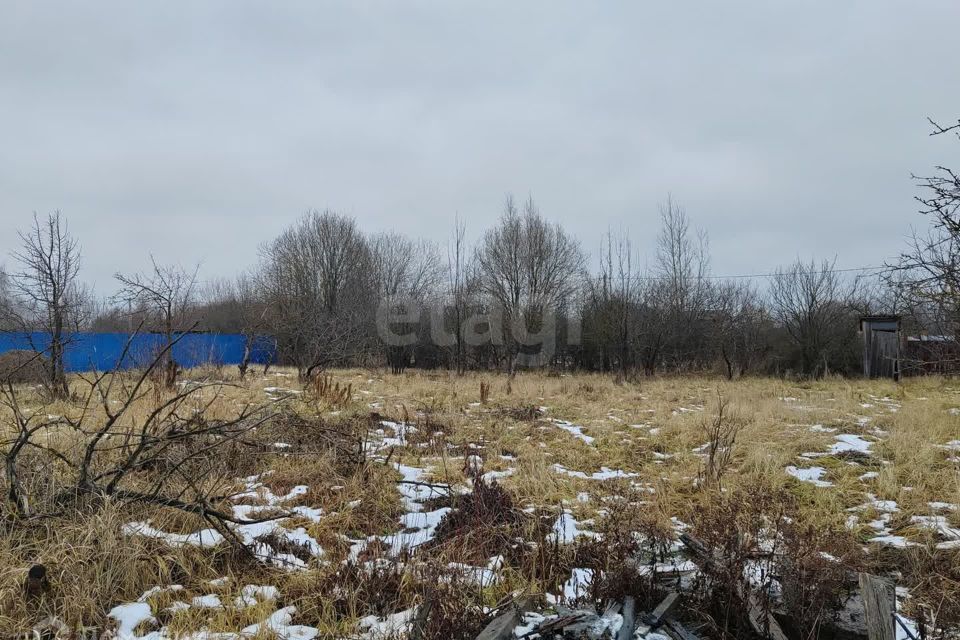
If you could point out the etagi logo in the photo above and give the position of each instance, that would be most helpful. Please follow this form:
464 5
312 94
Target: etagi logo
399 323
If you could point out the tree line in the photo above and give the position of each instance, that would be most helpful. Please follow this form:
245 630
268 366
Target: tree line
526 294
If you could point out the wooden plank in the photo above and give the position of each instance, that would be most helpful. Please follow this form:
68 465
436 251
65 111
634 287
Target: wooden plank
679 631
698 548
663 610
763 621
420 622
879 606
629 619
502 626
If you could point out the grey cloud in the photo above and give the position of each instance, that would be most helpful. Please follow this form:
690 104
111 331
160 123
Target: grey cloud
196 131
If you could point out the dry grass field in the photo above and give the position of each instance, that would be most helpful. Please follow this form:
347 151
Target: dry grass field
414 504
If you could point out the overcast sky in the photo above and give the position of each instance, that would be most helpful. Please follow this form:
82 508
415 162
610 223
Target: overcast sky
197 130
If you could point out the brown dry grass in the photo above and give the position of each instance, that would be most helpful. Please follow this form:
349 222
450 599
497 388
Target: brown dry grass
650 429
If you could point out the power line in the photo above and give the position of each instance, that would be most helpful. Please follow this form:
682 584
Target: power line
746 276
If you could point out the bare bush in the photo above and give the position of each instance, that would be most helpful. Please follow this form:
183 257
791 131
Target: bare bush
23 366
111 444
163 297
721 435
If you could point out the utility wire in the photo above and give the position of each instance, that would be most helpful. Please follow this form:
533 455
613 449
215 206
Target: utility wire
746 276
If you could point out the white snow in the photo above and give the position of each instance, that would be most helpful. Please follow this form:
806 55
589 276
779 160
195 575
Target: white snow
211 601
250 533
203 538
574 588
848 442
575 430
498 475
809 474
565 529
278 622
129 616
253 594
605 473
390 626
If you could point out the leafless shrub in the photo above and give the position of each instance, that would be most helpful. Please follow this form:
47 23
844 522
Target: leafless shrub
815 566
488 522
111 446
931 574
343 437
633 538
721 435
22 366
163 297
740 533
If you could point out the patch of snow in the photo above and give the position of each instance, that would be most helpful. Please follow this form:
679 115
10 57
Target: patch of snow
573 429
819 428
574 588
211 601
498 475
938 524
893 541
130 616
605 473
203 538
253 594
278 623
809 474
565 529
848 442
390 626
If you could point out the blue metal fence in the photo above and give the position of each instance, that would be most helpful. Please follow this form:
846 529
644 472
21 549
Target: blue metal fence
102 351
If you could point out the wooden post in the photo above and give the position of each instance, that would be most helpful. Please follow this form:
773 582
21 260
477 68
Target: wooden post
879 607
629 619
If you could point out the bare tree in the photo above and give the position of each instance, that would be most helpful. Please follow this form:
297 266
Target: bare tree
812 303
458 280
614 298
528 268
236 306
406 272
48 295
721 435
739 327
8 313
927 274
317 280
404 267
165 296
683 264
